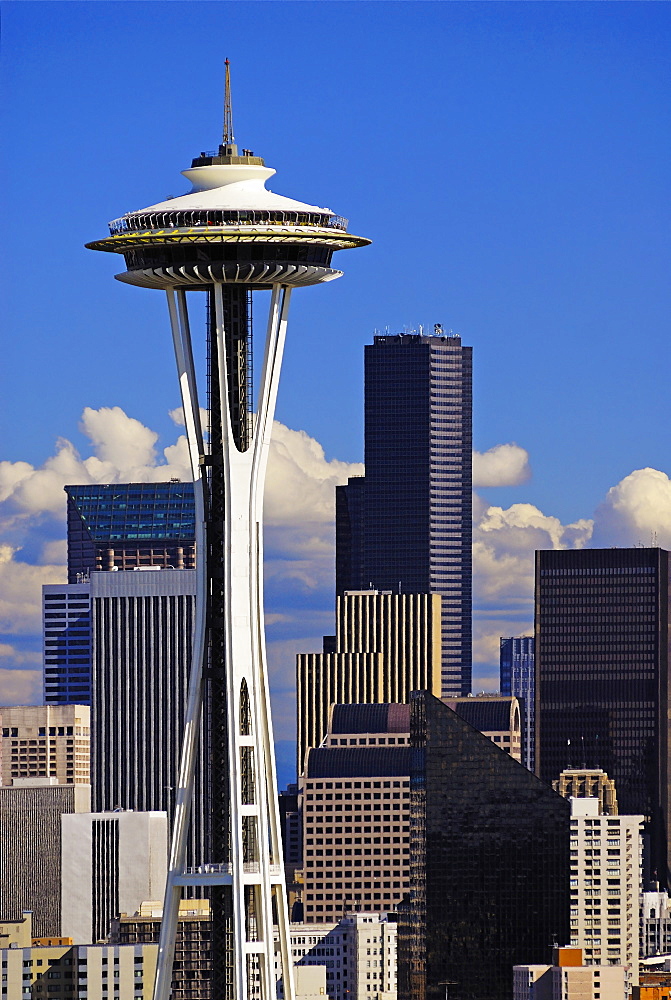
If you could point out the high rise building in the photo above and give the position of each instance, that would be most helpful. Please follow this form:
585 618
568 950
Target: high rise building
602 678
406 527
517 677
142 630
45 741
386 645
356 810
125 525
30 848
110 862
489 850
606 857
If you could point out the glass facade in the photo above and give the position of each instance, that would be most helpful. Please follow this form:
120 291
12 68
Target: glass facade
602 685
489 864
125 525
412 512
66 630
517 678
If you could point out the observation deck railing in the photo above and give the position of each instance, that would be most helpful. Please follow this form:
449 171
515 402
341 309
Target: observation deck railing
202 219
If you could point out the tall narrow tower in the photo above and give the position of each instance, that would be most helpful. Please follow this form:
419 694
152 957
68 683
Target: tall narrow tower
407 525
230 238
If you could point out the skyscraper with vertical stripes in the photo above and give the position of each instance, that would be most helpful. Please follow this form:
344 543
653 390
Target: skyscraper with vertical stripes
406 527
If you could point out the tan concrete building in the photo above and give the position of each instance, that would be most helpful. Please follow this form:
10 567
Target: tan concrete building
46 741
588 783
569 979
386 645
355 807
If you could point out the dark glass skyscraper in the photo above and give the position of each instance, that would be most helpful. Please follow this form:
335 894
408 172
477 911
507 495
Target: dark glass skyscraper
406 527
602 678
489 863
126 525
516 666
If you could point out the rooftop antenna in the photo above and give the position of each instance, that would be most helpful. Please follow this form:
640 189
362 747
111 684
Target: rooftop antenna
228 137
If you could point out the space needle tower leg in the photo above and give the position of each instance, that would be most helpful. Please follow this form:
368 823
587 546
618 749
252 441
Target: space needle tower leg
256 854
254 871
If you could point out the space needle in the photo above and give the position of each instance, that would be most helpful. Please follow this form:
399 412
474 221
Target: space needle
233 239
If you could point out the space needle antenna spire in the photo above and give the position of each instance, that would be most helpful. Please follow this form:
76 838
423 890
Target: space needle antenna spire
228 138
232 242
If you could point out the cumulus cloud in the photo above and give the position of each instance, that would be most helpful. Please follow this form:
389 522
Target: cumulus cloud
502 465
299 513
637 510
300 486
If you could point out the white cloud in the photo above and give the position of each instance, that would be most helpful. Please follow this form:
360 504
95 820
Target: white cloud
21 592
504 542
300 486
636 511
119 440
502 465
20 687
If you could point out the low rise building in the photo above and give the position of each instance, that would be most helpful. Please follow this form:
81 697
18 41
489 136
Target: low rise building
569 979
96 972
193 957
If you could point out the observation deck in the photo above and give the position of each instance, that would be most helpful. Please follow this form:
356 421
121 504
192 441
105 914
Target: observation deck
228 228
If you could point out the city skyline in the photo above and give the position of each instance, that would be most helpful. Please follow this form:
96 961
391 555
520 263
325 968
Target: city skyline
517 174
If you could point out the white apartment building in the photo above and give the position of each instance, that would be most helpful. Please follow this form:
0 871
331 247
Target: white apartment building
655 923
606 854
358 952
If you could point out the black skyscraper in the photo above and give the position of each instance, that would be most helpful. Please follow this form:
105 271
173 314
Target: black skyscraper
489 863
602 677
407 525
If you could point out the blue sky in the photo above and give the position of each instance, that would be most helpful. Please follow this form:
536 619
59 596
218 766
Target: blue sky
510 162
